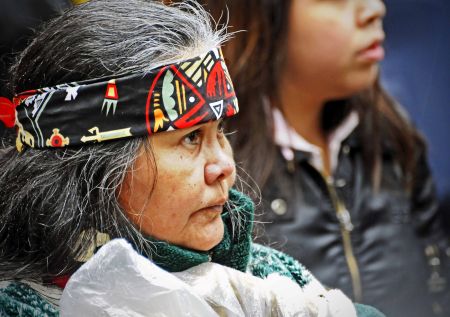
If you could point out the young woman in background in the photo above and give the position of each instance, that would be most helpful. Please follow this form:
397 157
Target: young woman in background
344 178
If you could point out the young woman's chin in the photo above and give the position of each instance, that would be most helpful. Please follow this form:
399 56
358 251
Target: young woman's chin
355 83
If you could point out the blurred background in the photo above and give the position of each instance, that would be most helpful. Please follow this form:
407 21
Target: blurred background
416 71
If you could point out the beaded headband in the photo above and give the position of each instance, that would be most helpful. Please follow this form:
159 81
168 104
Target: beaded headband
170 97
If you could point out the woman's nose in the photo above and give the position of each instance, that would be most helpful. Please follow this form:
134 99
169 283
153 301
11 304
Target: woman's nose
220 167
370 11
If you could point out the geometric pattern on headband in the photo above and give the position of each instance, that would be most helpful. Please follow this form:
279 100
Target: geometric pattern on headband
169 97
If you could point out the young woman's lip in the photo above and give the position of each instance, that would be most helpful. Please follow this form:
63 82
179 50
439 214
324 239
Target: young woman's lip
373 52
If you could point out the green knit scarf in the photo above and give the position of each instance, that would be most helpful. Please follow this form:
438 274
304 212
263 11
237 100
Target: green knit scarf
233 251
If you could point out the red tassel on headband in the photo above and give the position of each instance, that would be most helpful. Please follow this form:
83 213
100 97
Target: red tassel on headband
7 112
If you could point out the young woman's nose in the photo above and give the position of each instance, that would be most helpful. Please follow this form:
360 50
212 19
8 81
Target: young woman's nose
370 11
220 167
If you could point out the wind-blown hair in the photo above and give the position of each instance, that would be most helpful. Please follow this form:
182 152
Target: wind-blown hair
54 201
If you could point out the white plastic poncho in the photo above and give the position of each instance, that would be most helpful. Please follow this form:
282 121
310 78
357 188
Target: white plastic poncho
117 281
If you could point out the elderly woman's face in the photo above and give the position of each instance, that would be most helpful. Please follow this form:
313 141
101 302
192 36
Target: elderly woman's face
195 170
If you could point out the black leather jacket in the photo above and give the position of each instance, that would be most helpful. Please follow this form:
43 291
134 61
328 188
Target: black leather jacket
370 245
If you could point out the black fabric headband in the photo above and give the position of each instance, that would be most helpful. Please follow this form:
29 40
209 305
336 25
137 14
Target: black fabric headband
170 97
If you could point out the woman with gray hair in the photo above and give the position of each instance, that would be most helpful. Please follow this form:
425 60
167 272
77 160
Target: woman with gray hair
126 141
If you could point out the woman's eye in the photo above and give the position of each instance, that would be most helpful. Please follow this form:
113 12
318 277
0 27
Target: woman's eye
193 138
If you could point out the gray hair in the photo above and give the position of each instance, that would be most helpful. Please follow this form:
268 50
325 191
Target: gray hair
52 198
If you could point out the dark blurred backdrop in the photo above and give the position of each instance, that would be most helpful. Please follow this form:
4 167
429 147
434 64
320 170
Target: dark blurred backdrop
416 72
18 20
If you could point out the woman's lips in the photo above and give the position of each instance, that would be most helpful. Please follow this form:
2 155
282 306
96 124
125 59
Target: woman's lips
209 213
373 53
215 208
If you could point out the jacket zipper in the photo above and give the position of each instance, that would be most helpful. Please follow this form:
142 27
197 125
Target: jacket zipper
346 227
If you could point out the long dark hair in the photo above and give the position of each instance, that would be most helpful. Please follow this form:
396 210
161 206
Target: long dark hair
54 202
254 57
